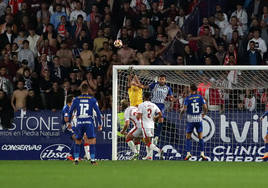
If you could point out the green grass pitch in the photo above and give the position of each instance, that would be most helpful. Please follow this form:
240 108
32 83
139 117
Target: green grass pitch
136 174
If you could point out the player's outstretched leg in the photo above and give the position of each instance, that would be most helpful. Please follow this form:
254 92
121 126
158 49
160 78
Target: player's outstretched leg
266 147
155 148
132 146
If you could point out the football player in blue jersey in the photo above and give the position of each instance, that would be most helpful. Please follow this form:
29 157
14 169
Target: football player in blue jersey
193 105
71 129
160 91
84 105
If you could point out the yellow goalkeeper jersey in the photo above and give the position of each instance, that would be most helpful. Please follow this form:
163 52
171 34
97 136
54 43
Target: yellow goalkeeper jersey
135 95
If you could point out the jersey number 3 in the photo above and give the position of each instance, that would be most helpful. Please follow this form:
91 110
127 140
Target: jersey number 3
195 107
83 109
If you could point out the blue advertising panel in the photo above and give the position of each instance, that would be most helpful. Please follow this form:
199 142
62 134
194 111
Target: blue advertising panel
38 136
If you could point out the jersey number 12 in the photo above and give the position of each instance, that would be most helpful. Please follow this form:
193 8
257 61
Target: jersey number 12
195 107
83 109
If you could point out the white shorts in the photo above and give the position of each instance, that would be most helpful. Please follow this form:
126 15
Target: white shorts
148 132
136 132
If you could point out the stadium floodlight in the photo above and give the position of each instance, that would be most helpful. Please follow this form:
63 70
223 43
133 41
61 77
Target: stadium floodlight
236 98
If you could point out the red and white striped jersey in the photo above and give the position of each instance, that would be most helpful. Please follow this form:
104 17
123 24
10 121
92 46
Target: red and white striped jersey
148 111
130 115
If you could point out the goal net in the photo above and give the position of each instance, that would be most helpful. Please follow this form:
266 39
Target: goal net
236 96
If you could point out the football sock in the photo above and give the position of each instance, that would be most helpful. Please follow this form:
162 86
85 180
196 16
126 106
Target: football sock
266 147
92 152
72 149
148 151
153 147
201 145
188 145
131 144
76 151
138 146
159 129
86 148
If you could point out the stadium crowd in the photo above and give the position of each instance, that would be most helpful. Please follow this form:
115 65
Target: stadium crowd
50 48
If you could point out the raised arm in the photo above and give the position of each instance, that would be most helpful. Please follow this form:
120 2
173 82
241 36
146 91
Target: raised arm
97 109
70 114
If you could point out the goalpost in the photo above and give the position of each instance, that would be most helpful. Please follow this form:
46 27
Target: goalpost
236 98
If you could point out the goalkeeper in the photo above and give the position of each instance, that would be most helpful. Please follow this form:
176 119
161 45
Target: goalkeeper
134 88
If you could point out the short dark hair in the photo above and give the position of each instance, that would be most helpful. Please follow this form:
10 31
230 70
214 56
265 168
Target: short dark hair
69 98
206 27
147 95
80 16
193 87
162 76
84 88
252 42
25 41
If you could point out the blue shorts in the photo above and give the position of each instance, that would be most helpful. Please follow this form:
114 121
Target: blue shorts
162 108
83 127
198 127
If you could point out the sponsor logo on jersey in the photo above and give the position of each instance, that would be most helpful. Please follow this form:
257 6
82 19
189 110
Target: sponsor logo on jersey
55 152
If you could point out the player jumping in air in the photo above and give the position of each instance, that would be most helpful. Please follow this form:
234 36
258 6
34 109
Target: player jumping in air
134 88
146 113
193 106
160 92
84 105
265 138
136 131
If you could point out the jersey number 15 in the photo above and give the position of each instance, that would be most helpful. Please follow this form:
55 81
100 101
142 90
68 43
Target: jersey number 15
195 107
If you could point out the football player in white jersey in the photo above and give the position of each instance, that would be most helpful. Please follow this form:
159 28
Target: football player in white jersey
136 131
147 113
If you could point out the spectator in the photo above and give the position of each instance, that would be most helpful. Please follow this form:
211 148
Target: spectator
6 82
27 79
58 72
98 42
78 11
53 7
228 32
214 98
56 17
219 40
51 35
260 44
83 38
45 86
79 67
33 102
3 5
63 27
242 16
219 9
153 59
221 54
24 65
106 51
202 87
236 41
91 18
20 15
7 12
253 56
18 100
126 54
201 30
11 67
20 38
56 97
189 56
249 101
65 55
254 25
33 38
107 22
180 60
231 51
136 5
264 31
27 54
211 55
48 50
264 16
100 97
221 22
181 18
98 69
7 37
87 56
8 21
43 13
77 27
92 83
73 79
